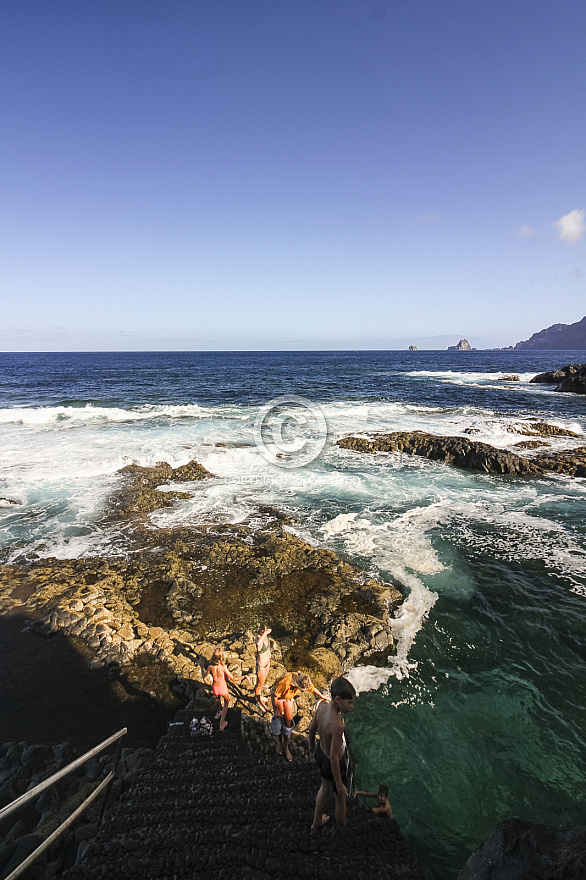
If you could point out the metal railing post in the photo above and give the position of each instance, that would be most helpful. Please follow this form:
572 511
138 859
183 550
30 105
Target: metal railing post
112 775
42 786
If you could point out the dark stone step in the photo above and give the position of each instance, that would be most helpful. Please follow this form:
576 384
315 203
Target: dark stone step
209 807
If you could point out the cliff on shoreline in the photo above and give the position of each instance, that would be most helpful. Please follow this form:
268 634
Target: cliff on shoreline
558 337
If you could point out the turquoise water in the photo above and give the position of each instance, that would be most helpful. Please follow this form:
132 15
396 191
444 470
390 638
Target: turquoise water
481 715
490 725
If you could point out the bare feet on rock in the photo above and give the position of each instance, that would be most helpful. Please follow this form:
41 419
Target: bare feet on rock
324 821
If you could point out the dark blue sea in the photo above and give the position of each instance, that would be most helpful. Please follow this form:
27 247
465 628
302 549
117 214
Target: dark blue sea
480 717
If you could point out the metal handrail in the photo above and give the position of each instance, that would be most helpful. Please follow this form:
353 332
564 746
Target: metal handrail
36 791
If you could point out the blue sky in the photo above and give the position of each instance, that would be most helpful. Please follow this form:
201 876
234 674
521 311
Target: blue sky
243 174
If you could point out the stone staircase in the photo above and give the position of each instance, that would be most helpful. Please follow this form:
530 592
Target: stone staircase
218 808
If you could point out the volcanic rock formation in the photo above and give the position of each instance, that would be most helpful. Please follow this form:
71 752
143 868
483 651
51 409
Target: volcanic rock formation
520 849
571 378
463 345
179 592
471 454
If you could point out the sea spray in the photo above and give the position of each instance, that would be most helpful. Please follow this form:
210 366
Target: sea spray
404 627
505 556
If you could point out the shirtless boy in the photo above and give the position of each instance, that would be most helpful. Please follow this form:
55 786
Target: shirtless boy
329 753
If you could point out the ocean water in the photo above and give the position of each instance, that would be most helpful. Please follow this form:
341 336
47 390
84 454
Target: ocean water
480 717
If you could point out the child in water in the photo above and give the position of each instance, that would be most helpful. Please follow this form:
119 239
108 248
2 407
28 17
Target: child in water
219 672
382 795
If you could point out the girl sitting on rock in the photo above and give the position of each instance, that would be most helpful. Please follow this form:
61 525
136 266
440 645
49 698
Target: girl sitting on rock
219 672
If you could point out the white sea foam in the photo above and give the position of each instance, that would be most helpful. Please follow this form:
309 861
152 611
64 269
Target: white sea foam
474 378
385 512
47 415
506 432
404 627
400 541
491 526
394 546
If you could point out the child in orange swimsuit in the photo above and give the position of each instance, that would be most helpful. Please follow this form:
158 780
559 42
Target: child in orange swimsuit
219 672
283 693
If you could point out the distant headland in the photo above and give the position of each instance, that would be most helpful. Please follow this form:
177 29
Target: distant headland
558 337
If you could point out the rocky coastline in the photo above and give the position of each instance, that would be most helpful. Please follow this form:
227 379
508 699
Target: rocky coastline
177 593
476 456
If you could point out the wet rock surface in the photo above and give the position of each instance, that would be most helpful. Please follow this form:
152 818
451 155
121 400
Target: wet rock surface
531 428
542 429
139 494
179 592
571 378
217 807
520 850
151 614
459 451
472 454
531 444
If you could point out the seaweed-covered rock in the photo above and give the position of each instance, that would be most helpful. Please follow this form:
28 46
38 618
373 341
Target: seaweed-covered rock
188 589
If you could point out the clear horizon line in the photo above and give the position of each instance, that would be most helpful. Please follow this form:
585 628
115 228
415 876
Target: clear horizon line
277 350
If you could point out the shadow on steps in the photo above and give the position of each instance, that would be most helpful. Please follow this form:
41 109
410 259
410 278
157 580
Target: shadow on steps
209 806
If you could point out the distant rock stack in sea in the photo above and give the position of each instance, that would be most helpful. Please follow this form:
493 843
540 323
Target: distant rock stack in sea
463 345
